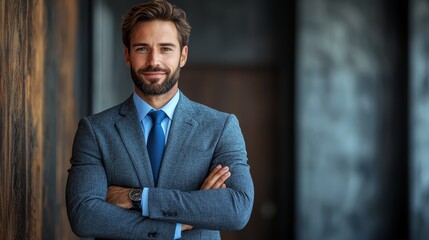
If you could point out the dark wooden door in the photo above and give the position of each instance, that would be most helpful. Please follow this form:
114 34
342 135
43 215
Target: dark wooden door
247 92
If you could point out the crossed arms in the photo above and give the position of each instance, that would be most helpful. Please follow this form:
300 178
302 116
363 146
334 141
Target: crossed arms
119 195
214 206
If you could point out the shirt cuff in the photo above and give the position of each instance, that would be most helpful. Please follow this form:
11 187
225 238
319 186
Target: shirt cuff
145 212
178 232
144 202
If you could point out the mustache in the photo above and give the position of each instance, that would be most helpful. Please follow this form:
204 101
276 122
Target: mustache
152 69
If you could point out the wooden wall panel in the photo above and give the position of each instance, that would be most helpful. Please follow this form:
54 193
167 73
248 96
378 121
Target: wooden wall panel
22 79
29 80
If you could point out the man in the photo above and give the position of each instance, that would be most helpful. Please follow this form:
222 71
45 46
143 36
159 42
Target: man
134 176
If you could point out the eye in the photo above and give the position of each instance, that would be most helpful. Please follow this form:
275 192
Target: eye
166 49
142 49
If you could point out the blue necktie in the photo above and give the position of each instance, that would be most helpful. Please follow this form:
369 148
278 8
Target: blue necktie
156 142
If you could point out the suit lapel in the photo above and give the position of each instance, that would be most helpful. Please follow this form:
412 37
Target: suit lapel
183 126
130 131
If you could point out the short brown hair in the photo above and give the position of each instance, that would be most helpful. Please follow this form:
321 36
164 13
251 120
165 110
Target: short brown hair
156 10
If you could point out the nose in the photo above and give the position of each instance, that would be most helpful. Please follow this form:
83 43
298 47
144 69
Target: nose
153 58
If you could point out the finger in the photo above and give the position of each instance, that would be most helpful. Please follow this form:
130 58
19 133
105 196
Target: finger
206 182
213 177
214 171
223 186
221 180
211 180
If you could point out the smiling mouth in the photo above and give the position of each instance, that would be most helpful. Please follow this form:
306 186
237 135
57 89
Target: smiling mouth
153 73
154 77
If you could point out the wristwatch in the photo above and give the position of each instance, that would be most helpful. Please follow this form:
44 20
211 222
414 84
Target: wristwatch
136 197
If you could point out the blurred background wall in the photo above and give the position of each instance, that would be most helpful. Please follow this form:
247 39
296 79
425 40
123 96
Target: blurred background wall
332 97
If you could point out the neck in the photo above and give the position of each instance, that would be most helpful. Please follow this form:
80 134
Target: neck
158 101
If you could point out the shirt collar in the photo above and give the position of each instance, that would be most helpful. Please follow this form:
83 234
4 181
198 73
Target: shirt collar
143 108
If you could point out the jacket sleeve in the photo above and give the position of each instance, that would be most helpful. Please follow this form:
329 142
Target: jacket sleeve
89 213
216 209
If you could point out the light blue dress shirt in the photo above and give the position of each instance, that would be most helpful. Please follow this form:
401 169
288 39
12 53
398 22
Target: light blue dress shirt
143 109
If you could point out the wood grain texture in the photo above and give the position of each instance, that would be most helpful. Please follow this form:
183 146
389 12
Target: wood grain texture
21 90
26 26
34 92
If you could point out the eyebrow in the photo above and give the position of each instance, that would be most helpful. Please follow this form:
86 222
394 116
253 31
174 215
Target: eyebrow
161 44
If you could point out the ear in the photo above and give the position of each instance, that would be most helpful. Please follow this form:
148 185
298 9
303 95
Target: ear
127 56
183 56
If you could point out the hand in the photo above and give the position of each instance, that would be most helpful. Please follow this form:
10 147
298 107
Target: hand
186 227
216 179
119 196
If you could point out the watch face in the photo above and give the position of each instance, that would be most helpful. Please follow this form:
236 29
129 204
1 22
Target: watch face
136 194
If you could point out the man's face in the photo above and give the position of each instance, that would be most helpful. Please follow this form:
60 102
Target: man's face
154 57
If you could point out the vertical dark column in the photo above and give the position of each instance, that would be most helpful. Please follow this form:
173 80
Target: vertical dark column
393 113
84 60
352 119
50 210
284 45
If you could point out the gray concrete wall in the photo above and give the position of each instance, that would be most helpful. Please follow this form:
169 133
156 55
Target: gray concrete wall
419 124
351 120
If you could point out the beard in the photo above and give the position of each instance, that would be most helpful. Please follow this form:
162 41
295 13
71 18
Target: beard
154 88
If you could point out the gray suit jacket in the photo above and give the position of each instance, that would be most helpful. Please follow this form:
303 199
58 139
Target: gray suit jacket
109 149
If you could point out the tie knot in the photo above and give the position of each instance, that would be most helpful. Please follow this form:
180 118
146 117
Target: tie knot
157 116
